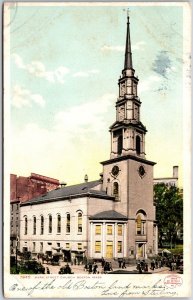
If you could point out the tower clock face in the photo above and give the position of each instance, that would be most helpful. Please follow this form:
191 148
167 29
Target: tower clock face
141 171
115 170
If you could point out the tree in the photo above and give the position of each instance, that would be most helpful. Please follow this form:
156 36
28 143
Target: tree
169 213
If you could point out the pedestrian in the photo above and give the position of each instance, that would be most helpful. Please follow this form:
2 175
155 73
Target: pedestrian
68 269
156 264
102 262
139 268
142 264
47 270
110 267
120 263
124 265
160 264
95 267
153 264
90 268
146 267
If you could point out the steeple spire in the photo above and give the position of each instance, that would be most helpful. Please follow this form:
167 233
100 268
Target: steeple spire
128 54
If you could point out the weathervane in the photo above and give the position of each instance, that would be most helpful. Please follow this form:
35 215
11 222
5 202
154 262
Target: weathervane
128 11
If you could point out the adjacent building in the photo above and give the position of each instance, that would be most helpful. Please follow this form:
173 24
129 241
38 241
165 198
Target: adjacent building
112 217
169 181
23 189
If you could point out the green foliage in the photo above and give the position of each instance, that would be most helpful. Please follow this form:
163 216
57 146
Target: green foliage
29 267
169 213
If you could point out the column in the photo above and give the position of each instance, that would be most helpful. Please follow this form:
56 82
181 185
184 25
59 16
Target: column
91 239
115 240
103 240
145 250
125 246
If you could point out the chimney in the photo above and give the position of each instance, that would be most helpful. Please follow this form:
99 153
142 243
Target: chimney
175 171
63 184
86 178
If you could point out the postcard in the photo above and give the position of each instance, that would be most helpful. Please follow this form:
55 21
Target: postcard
97 118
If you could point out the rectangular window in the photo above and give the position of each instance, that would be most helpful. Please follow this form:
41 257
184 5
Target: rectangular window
109 229
59 224
34 247
79 246
50 224
120 229
34 225
98 247
119 246
67 246
25 228
98 229
79 222
68 223
42 225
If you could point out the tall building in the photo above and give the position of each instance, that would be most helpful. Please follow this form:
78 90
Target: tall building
113 217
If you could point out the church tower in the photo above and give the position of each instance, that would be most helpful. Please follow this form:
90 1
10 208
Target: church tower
128 132
128 175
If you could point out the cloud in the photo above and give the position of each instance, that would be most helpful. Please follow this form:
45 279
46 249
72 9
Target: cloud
86 117
76 133
138 46
22 97
85 73
162 64
113 48
38 69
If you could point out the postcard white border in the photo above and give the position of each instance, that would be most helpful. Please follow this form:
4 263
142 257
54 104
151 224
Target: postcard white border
92 286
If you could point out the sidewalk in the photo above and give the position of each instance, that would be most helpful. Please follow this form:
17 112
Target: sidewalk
79 269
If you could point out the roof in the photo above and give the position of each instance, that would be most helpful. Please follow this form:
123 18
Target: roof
108 215
73 191
126 157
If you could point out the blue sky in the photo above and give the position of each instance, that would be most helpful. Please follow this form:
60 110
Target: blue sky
65 65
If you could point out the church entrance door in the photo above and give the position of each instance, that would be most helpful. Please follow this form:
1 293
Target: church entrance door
109 249
140 250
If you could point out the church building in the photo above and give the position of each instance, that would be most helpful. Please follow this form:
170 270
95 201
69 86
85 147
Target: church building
113 217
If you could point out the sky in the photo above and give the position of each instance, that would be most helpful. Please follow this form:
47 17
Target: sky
65 62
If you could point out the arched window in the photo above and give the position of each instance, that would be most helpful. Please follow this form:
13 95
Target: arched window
41 225
58 223
34 225
50 224
26 225
138 224
68 223
79 222
116 190
138 144
120 144
141 223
